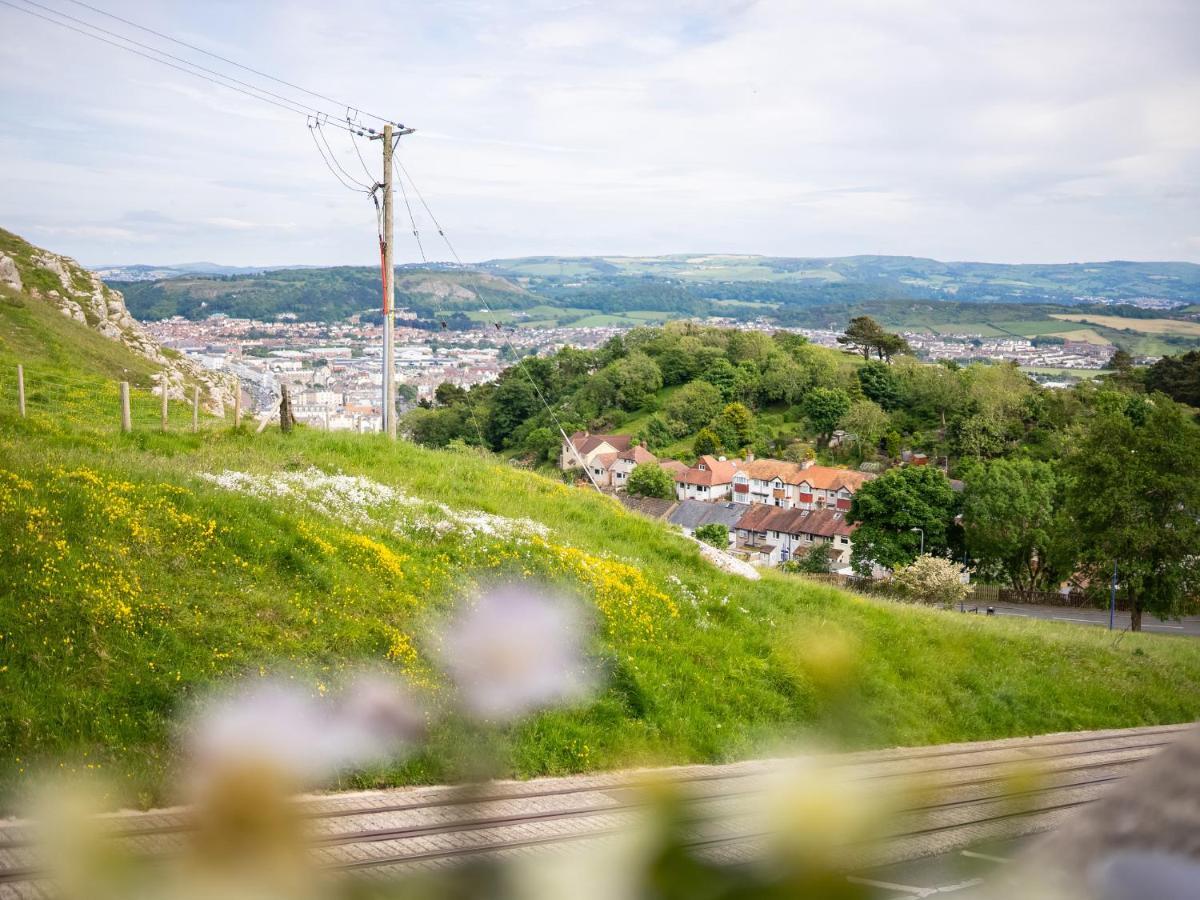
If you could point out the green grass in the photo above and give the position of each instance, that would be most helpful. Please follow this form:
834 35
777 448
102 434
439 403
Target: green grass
128 584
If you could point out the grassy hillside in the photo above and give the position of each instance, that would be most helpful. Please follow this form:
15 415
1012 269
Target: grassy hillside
136 569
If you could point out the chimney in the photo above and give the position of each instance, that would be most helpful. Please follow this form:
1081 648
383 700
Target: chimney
749 456
806 464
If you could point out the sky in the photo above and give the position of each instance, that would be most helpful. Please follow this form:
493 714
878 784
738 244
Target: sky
1020 131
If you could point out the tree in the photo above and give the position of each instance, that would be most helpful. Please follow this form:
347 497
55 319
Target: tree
723 375
1178 377
694 404
715 534
890 345
891 506
933 580
706 442
862 335
734 426
880 383
656 434
868 422
978 436
513 402
650 480
636 379
817 561
544 443
824 408
1133 500
783 380
448 394
1011 520
1120 361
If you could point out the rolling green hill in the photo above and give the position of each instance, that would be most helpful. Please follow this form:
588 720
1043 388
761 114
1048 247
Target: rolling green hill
137 569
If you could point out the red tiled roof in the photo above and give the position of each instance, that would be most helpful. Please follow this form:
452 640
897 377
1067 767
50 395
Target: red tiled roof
585 443
820 522
824 478
638 455
715 471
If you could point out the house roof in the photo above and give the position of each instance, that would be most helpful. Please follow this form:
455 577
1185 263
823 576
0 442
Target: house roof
585 442
694 513
818 522
638 455
674 466
653 507
714 471
604 460
824 478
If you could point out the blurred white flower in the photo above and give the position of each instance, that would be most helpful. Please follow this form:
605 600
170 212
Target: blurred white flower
304 738
516 649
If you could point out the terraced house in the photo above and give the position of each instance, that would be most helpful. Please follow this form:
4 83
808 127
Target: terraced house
789 485
768 535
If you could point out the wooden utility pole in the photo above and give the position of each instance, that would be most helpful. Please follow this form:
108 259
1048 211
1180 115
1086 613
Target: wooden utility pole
389 288
391 134
165 402
21 389
195 409
126 419
237 405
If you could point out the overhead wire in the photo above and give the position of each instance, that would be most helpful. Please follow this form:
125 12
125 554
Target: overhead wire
209 53
411 219
353 186
498 326
287 105
349 177
179 59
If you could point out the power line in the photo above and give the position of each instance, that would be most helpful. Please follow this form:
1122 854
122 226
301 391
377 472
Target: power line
167 37
411 220
284 103
312 130
499 328
349 177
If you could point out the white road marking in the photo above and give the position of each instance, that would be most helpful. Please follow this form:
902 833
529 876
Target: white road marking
1073 619
985 856
906 888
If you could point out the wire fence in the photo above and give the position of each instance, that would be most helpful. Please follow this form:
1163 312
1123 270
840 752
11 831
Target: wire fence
66 400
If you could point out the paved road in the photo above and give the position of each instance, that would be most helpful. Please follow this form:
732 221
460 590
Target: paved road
1189 625
967 802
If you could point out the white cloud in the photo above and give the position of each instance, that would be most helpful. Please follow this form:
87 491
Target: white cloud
921 127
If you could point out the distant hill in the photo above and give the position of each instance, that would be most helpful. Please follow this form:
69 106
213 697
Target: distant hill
324 294
901 276
620 290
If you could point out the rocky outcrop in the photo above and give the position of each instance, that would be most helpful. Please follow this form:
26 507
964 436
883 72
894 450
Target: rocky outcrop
82 296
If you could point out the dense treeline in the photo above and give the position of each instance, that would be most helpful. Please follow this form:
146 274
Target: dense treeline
1038 508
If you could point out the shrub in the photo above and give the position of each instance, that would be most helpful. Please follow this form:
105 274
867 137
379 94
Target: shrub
714 533
932 580
651 480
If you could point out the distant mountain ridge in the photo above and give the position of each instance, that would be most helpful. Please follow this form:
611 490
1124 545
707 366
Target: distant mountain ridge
619 290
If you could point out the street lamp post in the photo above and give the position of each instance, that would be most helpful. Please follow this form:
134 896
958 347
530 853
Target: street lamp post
922 530
1112 599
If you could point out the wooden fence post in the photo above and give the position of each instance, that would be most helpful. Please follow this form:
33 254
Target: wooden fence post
195 409
21 389
165 403
237 405
126 423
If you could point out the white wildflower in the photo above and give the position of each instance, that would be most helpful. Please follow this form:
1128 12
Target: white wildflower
516 649
305 739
